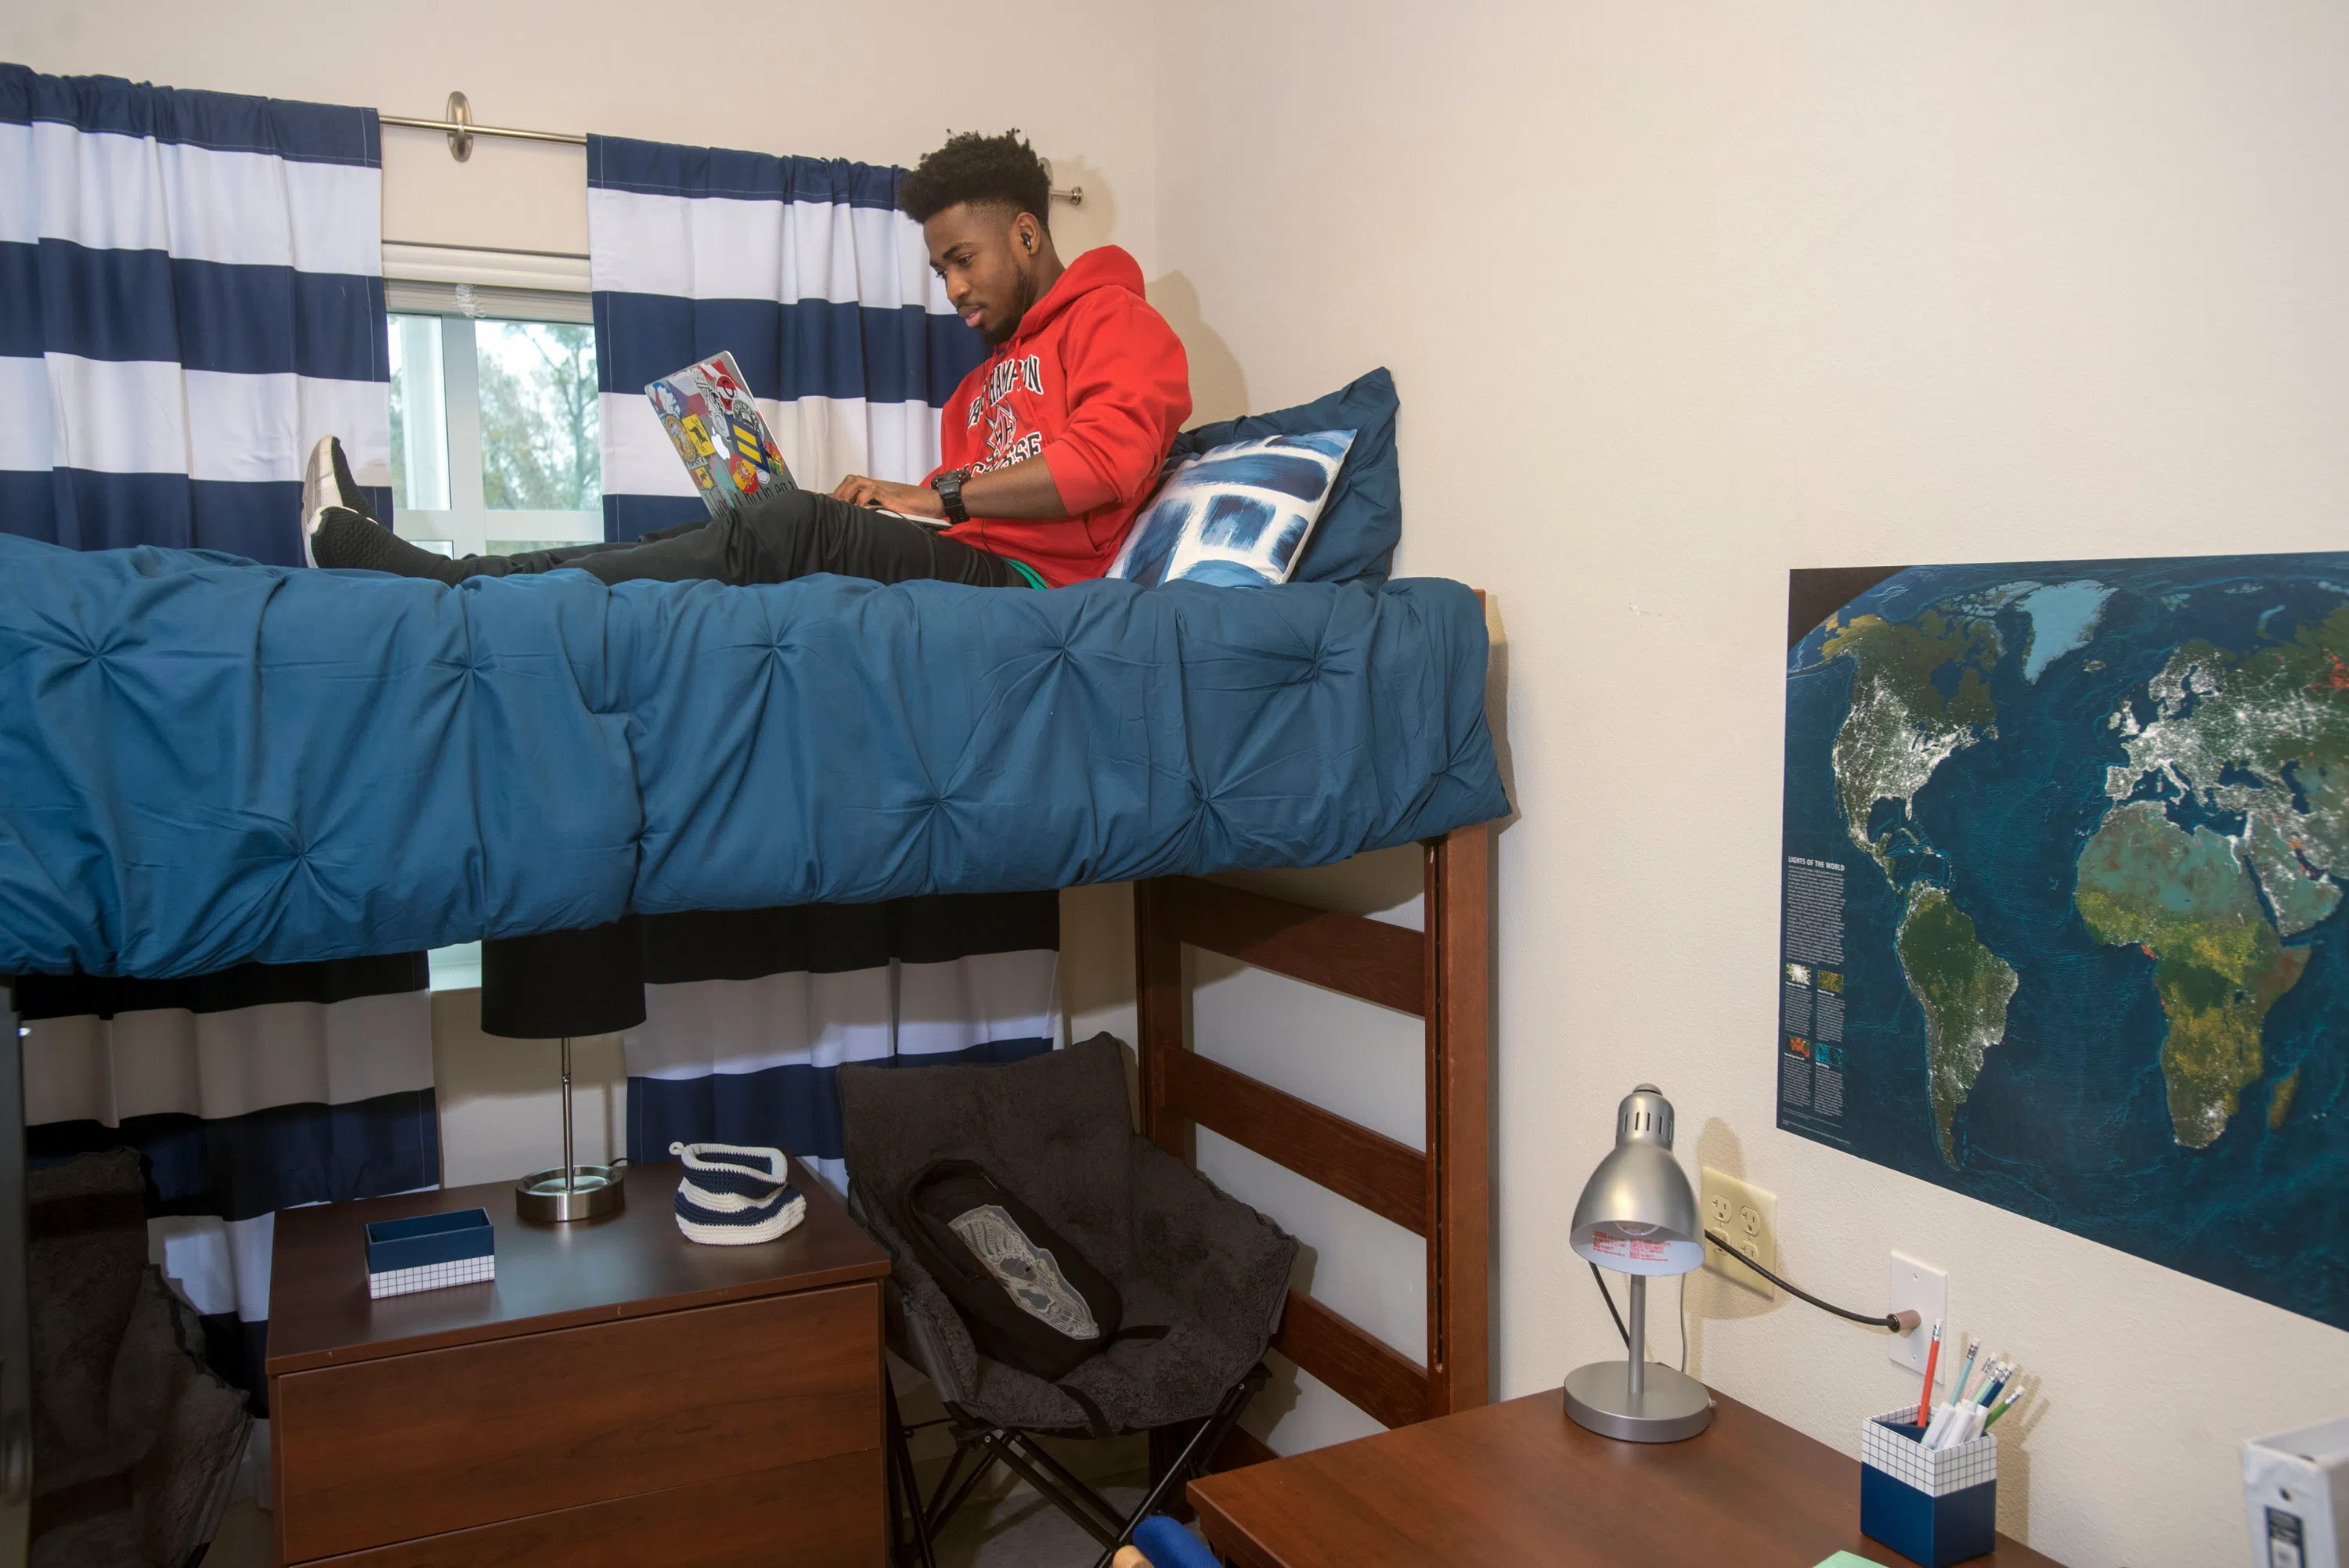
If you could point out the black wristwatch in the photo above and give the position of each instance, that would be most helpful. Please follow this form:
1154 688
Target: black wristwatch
949 485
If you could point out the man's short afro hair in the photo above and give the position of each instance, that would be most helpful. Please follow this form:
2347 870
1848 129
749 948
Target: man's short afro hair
985 170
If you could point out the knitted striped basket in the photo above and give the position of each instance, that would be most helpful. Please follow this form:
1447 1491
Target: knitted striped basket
731 1196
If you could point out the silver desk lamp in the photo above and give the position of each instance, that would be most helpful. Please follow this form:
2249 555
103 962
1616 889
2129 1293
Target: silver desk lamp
561 986
1637 1216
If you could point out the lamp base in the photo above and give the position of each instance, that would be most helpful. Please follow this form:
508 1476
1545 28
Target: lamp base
593 1190
1672 1406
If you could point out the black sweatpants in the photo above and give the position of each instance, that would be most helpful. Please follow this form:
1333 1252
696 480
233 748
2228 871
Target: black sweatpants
791 533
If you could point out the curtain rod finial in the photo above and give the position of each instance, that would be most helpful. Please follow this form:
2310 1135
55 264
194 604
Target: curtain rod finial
460 120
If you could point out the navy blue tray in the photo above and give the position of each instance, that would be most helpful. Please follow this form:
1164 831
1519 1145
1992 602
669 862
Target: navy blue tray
430 1239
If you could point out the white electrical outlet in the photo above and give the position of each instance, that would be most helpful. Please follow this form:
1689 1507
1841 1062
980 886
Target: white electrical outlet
1924 1290
1748 1217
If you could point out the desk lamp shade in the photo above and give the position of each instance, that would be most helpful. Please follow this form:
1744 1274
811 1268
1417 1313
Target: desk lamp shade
560 985
1637 1216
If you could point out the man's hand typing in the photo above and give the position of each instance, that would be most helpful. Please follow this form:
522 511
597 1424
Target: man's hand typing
1024 489
915 500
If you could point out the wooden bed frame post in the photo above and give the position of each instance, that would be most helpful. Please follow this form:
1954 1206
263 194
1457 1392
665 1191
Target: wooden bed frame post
1158 998
1459 1118
1441 1192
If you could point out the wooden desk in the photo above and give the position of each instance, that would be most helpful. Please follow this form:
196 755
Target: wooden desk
618 1395
1518 1484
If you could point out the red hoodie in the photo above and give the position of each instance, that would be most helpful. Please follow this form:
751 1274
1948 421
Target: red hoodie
1096 384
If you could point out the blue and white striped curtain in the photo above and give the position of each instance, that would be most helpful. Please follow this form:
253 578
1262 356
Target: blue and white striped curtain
246 1091
806 270
191 294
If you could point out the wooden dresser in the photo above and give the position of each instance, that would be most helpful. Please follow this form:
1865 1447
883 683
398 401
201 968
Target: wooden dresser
619 1395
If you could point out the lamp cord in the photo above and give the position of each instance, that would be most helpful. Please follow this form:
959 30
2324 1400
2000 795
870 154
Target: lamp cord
1601 1281
1884 1320
1888 1321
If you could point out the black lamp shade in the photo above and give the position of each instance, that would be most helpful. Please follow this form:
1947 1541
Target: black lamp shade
563 983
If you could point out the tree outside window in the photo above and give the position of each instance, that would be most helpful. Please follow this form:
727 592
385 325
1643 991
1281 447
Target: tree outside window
539 450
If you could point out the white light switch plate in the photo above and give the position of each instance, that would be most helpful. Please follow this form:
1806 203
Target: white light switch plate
1924 1290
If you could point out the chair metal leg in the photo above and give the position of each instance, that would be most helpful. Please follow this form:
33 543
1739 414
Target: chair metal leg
1070 1480
944 1503
1025 1456
1202 1443
1080 1503
905 1491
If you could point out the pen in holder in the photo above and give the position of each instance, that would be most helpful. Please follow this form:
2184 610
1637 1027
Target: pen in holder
1937 1505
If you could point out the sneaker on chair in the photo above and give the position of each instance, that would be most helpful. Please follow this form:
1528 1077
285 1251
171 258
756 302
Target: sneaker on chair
326 483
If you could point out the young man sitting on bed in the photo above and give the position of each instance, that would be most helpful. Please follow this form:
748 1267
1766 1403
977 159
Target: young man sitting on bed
1050 446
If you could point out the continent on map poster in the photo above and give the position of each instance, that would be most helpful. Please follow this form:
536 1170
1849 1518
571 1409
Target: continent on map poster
2061 930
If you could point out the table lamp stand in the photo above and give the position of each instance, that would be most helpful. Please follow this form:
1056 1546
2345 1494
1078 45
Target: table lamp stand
1635 1400
569 1191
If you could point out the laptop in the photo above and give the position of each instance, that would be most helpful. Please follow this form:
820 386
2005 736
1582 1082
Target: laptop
714 423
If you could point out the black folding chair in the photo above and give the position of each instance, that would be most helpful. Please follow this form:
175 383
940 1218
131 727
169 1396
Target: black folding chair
1057 1129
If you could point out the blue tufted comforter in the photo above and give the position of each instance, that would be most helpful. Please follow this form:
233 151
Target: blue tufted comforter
203 761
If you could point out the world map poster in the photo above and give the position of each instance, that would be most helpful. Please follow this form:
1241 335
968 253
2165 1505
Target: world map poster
2062 927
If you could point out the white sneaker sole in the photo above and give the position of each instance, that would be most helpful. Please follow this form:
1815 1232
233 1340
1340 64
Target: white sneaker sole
319 492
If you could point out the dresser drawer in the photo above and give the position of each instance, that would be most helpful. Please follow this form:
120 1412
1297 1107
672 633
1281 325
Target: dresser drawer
411 1446
825 1514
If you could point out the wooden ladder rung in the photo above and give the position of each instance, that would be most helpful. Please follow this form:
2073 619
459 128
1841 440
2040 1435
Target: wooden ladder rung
1344 952
1386 1177
1388 1386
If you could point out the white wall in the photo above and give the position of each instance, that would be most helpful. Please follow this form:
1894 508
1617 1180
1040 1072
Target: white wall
1679 297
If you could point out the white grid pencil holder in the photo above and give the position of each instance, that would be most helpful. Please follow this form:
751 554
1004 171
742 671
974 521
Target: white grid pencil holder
428 1251
1937 1505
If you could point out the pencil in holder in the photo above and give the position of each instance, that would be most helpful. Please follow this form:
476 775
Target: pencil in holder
1937 1505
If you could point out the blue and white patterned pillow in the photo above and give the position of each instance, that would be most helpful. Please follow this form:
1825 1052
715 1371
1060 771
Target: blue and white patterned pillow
1236 515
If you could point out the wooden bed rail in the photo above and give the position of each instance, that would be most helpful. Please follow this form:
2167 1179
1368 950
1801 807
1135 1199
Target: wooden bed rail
1442 1193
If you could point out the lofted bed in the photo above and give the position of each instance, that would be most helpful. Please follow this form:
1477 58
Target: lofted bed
211 763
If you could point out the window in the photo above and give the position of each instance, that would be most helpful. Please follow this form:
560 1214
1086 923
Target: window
493 420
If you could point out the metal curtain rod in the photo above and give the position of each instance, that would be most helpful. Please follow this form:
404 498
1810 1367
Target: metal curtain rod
461 130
